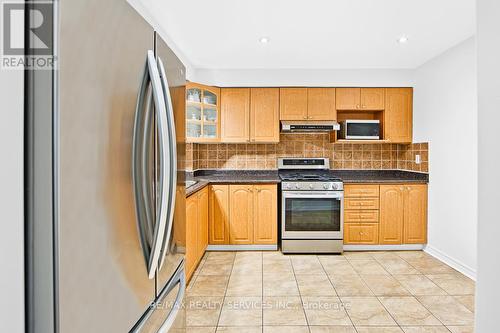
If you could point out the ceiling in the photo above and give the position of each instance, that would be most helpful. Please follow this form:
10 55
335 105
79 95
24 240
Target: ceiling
313 34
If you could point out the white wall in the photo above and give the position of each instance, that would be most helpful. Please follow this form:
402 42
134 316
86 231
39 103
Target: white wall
445 114
488 65
11 202
303 77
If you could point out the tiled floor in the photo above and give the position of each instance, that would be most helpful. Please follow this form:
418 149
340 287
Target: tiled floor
364 292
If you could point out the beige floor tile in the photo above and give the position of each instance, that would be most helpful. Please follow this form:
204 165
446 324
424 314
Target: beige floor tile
332 329
280 284
277 264
461 329
203 311
219 260
286 329
200 329
468 301
425 329
430 266
283 311
454 284
419 285
381 255
315 285
412 254
213 255
338 267
368 267
247 267
216 269
397 266
382 329
240 329
384 285
367 311
358 255
448 310
350 285
307 264
209 285
407 311
325 311
331 257
241 311
244 285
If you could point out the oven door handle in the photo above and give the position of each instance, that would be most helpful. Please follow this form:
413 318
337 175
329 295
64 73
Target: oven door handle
316 194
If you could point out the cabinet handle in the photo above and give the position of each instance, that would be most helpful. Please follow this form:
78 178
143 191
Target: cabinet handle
401 188
364 106
304 117
407 188
357 106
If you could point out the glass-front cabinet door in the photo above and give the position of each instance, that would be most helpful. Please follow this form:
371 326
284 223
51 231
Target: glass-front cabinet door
202 113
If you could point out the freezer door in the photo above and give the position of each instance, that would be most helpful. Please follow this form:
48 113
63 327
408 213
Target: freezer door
103 283
172 72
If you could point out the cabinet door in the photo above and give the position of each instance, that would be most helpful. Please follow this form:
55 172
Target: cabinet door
265 214
348 98
361 233
372 98
202 239
191 234
415 214
293 103
321 104
240 214
398 115
264 114
218 226
235 114
391 214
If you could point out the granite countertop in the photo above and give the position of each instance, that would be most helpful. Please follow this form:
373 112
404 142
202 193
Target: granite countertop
205 177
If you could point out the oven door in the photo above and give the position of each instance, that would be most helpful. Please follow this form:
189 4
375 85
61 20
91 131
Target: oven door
312 215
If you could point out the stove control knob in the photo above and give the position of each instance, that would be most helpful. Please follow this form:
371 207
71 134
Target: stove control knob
326 186
334 186
311 186
297 186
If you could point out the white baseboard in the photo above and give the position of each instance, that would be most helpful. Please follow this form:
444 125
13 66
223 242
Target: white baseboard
242 248
402 247
464 269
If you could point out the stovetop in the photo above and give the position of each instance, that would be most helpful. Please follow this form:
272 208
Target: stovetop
307 175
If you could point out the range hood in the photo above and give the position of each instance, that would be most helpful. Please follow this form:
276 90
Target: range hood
309 126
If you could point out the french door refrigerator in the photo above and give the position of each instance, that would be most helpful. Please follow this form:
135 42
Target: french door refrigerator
105 195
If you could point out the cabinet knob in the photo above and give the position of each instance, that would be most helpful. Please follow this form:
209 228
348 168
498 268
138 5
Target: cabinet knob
364 106
357 106
304 117
407 188
401 188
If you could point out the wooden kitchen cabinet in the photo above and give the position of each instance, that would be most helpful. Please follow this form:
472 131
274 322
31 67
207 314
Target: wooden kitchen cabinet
348 98
415 214
391 214
264 115
202 113
265 214
235 115
321 104
361 233
240 214
361 203
398 115
196 229
218 215
293 103
372 98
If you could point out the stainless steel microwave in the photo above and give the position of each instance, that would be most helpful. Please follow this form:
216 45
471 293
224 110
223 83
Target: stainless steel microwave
359 130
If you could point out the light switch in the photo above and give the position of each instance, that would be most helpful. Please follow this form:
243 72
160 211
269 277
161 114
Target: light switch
417 159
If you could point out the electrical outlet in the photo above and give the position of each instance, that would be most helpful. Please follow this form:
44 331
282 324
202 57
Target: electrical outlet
417 159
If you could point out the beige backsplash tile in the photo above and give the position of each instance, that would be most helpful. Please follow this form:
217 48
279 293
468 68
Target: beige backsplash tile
342 155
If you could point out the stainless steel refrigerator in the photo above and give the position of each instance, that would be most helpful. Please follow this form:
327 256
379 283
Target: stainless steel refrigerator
105 195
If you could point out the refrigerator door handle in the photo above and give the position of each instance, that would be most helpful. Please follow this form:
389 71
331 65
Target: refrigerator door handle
173 162
178 279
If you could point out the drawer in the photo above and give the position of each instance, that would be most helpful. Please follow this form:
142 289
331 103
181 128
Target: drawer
361 191
369 216
361 203
361 233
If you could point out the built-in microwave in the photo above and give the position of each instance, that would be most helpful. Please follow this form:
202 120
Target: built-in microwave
359 130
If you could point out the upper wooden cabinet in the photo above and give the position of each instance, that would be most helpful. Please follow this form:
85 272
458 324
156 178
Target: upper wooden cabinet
202 113
398 115
391 214
321 104
293 103
415 214
218 215
264 115
265 214
235 114
370 99
241 214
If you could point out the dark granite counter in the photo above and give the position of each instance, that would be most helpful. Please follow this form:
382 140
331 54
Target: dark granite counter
205 177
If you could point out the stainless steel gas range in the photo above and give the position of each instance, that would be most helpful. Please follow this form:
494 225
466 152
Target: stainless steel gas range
312 206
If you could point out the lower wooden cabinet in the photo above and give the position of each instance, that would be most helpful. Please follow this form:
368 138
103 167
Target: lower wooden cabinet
391 214
243 214
361 233
415 219
196 229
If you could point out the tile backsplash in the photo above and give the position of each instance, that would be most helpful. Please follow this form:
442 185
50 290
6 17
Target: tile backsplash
341 155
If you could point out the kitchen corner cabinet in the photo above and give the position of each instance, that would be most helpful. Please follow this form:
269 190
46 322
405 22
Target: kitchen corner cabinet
243 214
196 229
235 115
398 115
369 99
307 104
202 113
265 115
